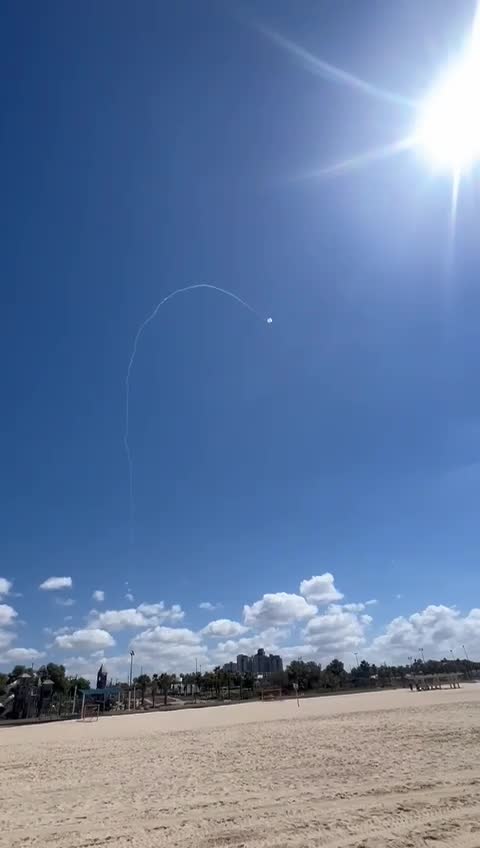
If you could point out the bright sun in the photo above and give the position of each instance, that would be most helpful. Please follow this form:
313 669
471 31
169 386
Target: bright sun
449 128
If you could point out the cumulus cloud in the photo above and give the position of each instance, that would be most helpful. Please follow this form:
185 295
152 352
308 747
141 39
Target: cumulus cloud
5 587
115 620
161 612
320 589
354 607
98 595
53 584
207 605
169 649
22 655
129 597
371 602
337 631
7 615
87 666
277 609
161 635
436 629
224 628
6 638
145 615
90 639
269 639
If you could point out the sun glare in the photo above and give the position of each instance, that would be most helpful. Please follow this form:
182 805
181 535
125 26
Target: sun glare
449 129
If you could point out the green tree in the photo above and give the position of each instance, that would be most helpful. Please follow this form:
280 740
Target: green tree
154 688
335 675
55 673
142 682
3 683
165 681
16 672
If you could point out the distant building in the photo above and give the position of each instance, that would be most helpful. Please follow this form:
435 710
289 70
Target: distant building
260 664
276 663
230 668
244 664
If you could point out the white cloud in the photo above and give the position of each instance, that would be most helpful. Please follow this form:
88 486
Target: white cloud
60 630
7 615
207 605
129 597
6 638
116 667
161 635
22 655
145 615
53 584
354 607
371 602
169 649
277 609
64 602
161 612
90 639
5 586
115 620
269 639
296 652
320 589
436 629
338 631
98 595
223 628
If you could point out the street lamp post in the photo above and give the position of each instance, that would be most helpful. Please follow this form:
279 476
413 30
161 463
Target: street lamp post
422 652
132 654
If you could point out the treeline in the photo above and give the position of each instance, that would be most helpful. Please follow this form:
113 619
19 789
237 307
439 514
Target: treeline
308 676
52 676
312 676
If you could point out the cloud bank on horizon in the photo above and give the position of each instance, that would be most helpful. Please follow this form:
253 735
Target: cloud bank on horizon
316 623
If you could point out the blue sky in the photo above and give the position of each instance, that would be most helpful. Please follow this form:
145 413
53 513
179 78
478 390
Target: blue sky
151 147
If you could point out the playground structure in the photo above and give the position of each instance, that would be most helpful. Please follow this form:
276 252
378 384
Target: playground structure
425 682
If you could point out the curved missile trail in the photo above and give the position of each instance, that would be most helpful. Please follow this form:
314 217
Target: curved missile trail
331 73
138 335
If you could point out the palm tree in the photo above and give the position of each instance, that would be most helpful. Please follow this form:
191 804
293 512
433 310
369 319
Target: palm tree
154 688
142 681
165 681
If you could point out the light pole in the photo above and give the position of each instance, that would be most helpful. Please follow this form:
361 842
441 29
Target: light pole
356 657
422 652
465 652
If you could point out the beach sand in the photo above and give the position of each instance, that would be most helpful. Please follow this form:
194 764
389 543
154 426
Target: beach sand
379 770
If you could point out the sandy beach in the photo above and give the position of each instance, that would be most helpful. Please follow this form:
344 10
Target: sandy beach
396 769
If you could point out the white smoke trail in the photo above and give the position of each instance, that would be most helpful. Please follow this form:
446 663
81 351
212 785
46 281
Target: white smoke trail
138 335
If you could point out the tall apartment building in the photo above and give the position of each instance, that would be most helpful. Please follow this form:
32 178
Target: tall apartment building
244 664
260 663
